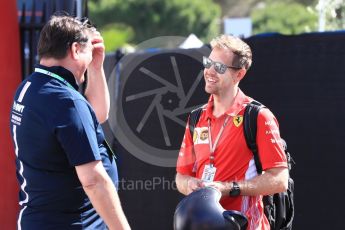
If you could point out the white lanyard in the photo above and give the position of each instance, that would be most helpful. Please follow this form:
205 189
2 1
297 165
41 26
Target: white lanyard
213 147
54 75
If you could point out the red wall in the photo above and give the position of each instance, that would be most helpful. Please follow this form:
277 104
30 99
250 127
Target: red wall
10 77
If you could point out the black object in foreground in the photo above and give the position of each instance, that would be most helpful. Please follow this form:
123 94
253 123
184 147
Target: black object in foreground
201 210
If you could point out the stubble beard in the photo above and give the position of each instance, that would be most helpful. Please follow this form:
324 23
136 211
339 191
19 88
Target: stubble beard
211 89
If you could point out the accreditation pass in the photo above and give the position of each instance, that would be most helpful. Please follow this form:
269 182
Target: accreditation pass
209 173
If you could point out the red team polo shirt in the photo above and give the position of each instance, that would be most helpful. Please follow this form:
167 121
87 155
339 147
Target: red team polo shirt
233 159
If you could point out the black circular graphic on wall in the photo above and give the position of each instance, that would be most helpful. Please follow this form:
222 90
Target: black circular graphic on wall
152 94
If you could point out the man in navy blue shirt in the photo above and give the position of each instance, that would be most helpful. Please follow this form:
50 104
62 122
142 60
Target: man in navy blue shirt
66 173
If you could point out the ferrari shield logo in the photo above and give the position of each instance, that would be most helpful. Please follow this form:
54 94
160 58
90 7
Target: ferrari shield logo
238 120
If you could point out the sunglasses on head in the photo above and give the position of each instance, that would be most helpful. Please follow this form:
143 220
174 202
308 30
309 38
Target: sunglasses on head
218 66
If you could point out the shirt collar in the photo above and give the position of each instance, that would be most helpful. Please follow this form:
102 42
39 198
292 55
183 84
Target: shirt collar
62 72
240 102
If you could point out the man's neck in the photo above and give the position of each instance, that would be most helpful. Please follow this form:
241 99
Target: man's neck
49 62
223 102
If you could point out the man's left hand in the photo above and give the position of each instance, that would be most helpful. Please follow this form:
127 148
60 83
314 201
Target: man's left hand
98 52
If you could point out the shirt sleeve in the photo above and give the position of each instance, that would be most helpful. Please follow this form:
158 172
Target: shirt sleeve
186 156
75 130
270 146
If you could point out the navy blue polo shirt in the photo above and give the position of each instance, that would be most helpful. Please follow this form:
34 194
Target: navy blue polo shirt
55 129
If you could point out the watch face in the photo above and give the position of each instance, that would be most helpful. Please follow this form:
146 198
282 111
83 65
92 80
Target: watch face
235 190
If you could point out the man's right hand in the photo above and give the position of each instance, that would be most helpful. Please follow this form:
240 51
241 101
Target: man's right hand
187 184
102 193
193 184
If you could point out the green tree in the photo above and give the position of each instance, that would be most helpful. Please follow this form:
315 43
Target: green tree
334 14
243 8
339 18
116 35
151 18
285 18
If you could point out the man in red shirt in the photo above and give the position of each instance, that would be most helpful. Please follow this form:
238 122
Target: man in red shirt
217 155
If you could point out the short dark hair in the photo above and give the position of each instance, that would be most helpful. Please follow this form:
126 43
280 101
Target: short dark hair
59 33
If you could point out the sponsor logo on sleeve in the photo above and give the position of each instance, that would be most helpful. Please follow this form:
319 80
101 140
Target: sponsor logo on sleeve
277 141
17 113
195 136
273 132
270 122
204 135
200 135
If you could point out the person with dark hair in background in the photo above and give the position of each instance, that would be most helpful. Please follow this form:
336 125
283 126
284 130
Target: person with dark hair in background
65 169
217 154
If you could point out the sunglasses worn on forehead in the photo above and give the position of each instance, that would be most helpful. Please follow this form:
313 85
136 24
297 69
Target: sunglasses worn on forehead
218 66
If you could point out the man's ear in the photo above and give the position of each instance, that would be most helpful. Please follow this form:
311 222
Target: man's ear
240 74
74 50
